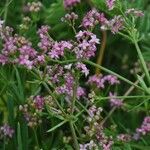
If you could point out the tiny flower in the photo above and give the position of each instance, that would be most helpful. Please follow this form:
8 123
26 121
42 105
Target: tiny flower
137 13
39 102
1 23
114 102
110 4
6 131
70 3
145 127
83 68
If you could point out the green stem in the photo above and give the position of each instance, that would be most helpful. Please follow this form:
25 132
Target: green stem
4 143
74 93
6 11
142 61
36 139
122 97
54 98
74 136
113 73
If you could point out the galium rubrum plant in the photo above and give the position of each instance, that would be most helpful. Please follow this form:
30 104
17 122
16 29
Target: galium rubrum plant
62 92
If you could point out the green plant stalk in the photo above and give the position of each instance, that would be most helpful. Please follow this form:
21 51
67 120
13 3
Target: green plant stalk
4 143
74 93
74 136
142 61
54 98
123 97
36 139
113 73
6 11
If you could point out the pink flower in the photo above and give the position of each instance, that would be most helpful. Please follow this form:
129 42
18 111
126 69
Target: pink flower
87 44
3 59
137 13
114 102
145 127
83 68
70 3
111 79
80 92
58 49
110 4
96 80
6 131
39 102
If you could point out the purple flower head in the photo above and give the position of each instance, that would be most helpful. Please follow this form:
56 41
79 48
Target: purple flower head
111 79
39 102
110 4
70 3
145 127
80 92
58 49
132 11
70 17
97 80
114 102
24 60
45 41
83 68
3 59
87 44
124 137
6 131
92 18
116 24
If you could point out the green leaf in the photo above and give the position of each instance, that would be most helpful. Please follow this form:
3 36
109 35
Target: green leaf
57 126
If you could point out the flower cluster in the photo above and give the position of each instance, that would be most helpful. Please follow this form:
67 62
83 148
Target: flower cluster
134 12
92 18
114 102
95 131
86 44
70 3
89 146
58 49
34 6
100 81
70 17
45 41
68 86
104 141
110 4
124 137
6 131
145 127
16 49
32 110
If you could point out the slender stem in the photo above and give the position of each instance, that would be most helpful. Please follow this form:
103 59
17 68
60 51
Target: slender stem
54 98
123 97
4 143
142 61
74 93
6 11
101 51
36 139
113 73
74 136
